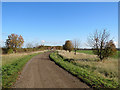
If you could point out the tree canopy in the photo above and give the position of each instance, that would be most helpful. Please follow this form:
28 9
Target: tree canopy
14 41
68 46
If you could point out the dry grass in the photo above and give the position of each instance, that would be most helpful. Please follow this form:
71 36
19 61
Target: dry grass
71 55
9 58
107 68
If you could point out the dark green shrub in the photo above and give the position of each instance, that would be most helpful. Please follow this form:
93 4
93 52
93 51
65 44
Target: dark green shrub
25 49
10 51
4 50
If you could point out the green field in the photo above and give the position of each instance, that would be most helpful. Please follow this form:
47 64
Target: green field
94 73
12 65
91 53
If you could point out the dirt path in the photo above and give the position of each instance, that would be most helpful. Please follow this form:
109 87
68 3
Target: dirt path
41 72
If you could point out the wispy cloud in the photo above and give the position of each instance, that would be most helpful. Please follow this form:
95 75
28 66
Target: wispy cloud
52 42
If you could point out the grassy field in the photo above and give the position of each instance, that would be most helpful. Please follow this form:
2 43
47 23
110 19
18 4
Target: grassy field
91 53
9 58
12 65
104 71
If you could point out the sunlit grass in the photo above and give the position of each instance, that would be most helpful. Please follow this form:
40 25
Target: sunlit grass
94 73
13 64
71 55
91 53
9 58
108 68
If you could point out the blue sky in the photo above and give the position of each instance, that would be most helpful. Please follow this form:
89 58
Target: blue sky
57 22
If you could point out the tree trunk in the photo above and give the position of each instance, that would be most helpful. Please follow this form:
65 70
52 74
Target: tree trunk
75 52
101 58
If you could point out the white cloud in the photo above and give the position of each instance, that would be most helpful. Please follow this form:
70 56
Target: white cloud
43 41
116 43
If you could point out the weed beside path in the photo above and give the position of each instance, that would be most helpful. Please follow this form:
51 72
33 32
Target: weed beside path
11 71
87 75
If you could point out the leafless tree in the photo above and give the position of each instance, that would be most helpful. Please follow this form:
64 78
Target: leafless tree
76 44
36 44
101 44
29 45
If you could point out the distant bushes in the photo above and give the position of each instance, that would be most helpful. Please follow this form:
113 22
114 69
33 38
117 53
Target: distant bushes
19 50
4 50
7 51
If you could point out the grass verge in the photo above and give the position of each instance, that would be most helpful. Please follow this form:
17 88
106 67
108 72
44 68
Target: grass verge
93 80
11 71
90 52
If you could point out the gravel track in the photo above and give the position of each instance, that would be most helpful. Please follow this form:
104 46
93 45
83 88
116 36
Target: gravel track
41 72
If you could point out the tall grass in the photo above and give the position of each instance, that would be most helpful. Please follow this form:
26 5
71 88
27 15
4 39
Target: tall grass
91 53
12 65
107 68
71 55
85 72
9 58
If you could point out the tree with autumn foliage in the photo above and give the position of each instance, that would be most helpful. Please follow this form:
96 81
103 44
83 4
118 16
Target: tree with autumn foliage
101 45
14 41
68 46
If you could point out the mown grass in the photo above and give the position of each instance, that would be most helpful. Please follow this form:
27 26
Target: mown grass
87 74
91 53
11 71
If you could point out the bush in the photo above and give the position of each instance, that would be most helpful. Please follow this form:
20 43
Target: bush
19 50
10 51
4 50
25 49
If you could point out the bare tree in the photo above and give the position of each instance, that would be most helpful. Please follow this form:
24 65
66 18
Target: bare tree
36 44
101 45
29 45
76 44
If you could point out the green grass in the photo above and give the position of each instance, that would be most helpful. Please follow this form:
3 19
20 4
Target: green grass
85 51
11 71
91 53
95 80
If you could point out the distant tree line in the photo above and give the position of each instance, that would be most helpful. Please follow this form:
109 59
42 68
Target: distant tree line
15 42
99 43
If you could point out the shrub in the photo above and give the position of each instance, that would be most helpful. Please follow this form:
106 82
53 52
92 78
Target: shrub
4 50
10 51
